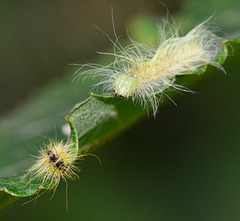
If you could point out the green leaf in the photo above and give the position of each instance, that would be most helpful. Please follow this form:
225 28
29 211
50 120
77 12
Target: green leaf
103 116
23 186
227 48
96 120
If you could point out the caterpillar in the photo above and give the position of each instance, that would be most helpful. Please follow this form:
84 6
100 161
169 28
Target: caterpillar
142 72
55 160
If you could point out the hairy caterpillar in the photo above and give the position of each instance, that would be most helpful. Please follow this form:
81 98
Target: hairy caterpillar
55 161
141 72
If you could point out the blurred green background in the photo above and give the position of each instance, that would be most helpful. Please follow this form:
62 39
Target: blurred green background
183 165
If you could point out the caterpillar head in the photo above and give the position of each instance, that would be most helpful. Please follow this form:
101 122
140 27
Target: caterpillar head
125 86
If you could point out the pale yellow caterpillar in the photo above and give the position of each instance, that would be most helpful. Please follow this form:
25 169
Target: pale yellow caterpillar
142 72
55 161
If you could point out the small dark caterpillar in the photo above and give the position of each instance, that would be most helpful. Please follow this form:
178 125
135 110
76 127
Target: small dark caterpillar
55 161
